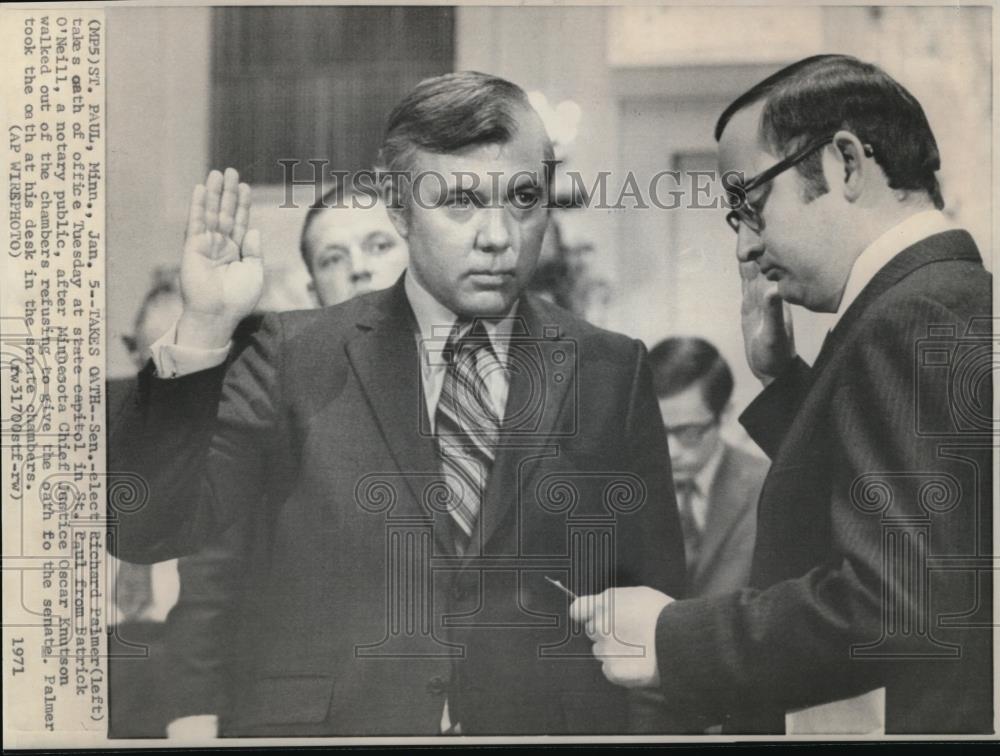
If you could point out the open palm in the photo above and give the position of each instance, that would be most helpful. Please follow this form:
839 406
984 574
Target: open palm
222 274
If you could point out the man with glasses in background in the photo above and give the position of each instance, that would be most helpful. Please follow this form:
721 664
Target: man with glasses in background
870 601
716 483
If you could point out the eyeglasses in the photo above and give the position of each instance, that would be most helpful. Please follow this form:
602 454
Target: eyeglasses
690 434
743 211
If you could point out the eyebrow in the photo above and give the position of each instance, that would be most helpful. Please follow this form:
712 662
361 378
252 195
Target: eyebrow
371 235
457 191
332 247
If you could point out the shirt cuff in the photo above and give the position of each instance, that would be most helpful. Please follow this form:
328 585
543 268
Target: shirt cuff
173 360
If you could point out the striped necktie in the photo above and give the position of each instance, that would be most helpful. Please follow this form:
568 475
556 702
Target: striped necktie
685 491
466 423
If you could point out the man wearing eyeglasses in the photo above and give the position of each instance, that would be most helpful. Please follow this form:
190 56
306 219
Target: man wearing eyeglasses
870 604
716 483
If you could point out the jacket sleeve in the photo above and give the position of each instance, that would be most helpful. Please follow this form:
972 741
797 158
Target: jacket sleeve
768 417
186 458
794 643
202 627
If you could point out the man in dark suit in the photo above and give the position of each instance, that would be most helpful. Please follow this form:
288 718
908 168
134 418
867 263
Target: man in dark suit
870 606
717 484
421 459
349 248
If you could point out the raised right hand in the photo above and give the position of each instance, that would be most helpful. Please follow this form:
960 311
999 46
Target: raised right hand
767 325
222 274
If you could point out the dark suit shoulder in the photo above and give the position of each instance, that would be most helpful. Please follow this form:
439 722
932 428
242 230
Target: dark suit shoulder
960 286
599 343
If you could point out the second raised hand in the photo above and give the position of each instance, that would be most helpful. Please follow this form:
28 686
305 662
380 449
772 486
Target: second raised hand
768 337
222 274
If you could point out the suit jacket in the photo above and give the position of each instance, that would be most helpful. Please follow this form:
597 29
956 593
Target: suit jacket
202 627
872 566
365 617
725 553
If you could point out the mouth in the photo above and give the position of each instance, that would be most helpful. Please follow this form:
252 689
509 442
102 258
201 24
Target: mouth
491 279
771 274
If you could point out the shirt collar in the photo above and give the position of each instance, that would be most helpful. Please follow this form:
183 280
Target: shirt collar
435 321
878 254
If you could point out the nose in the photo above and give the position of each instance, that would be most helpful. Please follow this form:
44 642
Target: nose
360 268
493 236
749 245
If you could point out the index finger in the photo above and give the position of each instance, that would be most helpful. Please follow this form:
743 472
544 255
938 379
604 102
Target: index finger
196 213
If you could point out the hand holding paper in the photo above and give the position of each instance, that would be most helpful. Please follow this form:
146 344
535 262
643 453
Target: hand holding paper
622 624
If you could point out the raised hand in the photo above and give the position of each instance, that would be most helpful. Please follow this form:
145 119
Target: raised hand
767 325
222 274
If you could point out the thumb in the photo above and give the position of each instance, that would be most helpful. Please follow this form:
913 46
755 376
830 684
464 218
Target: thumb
586 607
581 609
251 245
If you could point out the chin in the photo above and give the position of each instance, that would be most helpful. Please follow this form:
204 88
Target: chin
790 293
486 304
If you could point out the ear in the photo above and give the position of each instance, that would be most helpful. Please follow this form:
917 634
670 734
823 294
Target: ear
848 165
400 217
395 206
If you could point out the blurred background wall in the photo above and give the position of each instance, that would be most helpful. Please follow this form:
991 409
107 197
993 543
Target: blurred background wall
194 88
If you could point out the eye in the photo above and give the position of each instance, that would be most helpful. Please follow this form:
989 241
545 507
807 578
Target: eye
461 201
331 259
526 198
379 245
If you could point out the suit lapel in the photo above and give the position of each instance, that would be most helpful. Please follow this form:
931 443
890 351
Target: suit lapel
384 357
541 377
948 245
726 499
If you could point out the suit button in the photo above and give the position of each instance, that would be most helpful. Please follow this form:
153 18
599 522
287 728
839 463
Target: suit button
436 686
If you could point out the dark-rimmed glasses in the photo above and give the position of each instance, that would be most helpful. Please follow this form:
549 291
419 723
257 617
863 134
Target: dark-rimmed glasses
746 213
690 434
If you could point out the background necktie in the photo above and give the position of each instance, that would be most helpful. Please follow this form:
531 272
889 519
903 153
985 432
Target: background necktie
685 490
467 423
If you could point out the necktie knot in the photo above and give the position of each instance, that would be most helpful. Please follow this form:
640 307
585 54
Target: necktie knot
467 337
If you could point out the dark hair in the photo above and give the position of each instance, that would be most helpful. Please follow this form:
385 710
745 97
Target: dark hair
333 197
446 113
682 361
817 96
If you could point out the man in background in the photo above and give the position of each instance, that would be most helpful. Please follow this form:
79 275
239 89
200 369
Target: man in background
349 247
717 484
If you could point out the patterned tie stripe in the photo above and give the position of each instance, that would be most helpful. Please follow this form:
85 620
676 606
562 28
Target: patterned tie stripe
467 423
